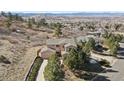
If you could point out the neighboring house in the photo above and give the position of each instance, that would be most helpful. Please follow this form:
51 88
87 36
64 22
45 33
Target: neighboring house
46 52
82 38
98 33
86 38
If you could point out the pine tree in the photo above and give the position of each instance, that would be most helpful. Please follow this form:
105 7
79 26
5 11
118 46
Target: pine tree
10 16
8 23
75 59
57 29
29 23
53 71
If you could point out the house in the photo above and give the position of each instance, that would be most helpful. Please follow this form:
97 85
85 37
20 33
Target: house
86 38
46 52
82 38
98 33
62 45
58 44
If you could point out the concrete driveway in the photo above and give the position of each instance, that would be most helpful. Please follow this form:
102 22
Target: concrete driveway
40 76
116 73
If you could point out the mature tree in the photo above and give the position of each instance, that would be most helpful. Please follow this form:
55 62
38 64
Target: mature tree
38 24
119 37
10 16
75 58
107 27
8 23
81 28
105 35
33 20
41 22
17 17
57 29
90 26
3 13
112 41
71 59
29 23
89 45
57 32
114 48
53 70
117 26
82 58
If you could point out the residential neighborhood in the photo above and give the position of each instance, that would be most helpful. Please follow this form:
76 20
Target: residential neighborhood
61 48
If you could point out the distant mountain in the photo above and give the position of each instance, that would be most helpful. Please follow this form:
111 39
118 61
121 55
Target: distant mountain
74 14
84 14
28 14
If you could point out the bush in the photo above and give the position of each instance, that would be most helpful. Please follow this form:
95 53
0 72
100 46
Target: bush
35 68
105 63
3 59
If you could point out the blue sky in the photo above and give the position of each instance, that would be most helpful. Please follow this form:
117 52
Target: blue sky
62 5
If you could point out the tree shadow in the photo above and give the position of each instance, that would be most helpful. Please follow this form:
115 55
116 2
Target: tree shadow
3 59
121 52
109 70
96 67
85 75
120 57
101 78
121 49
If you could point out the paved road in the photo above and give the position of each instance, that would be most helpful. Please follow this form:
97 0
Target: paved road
116 73
40 76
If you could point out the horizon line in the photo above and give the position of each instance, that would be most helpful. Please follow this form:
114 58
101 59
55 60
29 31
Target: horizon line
65 11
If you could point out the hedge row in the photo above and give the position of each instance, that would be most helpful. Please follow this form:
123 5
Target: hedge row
34 69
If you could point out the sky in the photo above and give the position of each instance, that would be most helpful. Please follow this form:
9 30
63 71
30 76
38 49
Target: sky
62 5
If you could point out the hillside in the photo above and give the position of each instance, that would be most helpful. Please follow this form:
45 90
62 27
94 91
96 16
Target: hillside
20 34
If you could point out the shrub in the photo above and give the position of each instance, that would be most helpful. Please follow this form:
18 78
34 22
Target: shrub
4 60
105 63
35 68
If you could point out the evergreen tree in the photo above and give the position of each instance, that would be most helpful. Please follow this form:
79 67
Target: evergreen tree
81 28
57 29
33 20
112 41
29 23
75 59
89 45
3 13
8 23
71 59
10 16
53 71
